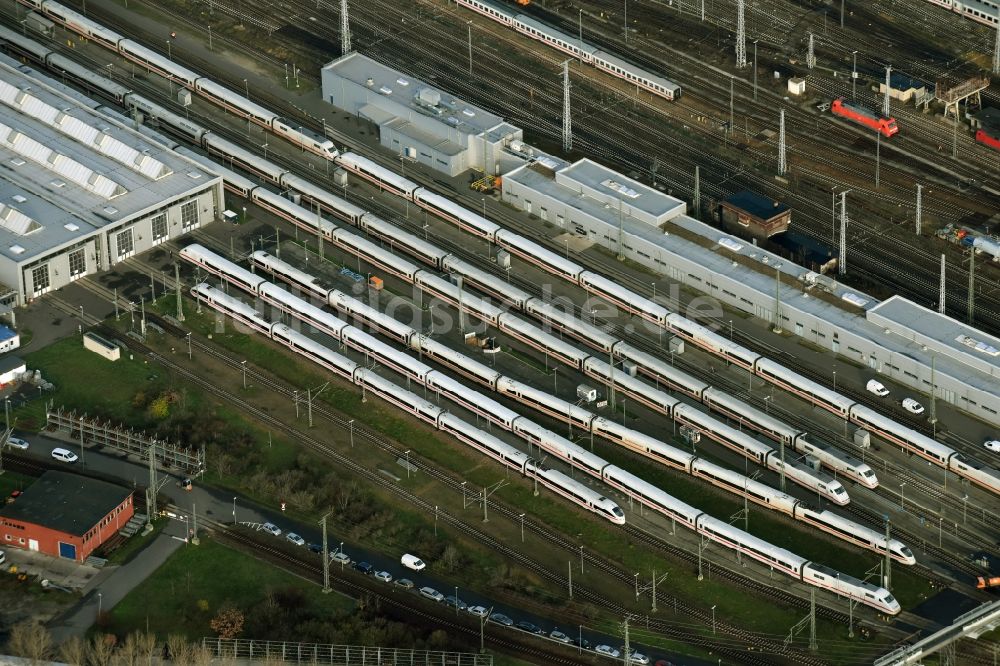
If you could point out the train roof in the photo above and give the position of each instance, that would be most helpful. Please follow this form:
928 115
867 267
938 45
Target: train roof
317 193
422 247
531 247
368 166
471 217
346 365
228 175
490 441
179 72
555 33
236 99
551 341
285 268
636 70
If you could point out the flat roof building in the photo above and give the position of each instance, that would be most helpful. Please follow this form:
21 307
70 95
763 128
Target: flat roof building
65 515
418 121
754 214
895 338
80 190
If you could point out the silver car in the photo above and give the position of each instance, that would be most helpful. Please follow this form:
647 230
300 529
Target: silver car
431 594
17 443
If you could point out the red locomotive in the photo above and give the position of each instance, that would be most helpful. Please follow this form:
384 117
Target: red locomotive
863 116
989 138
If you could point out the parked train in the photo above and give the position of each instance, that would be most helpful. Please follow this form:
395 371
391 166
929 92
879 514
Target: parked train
984 11
573 490
861 115
576 47
989 137
529 250
692 332
167 68
709 527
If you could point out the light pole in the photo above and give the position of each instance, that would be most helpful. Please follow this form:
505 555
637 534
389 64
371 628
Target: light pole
350 425
246 86
555 377
407 454
189 345
854 74
522 528
834 380
100 603
767 401
965 505
901 504
713 620
234 511
169 55
243 365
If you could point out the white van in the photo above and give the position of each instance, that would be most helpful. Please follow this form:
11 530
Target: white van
412 562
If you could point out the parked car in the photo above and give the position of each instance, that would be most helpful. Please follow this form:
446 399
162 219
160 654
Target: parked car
530 627
607 651
364 568
637 658
912 406
17 443
993 445
295 538
270 528
404 583
315 547
478 611
65 455
876 387
412 562
557 635
340 557
431 594
501 619
383 576
455 601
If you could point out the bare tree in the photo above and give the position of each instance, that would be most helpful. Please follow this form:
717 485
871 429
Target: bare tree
180 650
200 655
145 644
73 651
101 650
126 653
30 640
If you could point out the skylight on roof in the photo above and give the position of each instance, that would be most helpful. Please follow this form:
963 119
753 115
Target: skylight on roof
19 198
71 227
17 249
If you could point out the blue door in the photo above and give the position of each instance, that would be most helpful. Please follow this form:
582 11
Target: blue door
67 550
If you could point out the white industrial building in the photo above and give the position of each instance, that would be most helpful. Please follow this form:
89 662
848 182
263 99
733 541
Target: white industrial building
895 338
419 122
80 190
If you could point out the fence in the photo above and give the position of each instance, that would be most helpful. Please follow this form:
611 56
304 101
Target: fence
92 430
340 655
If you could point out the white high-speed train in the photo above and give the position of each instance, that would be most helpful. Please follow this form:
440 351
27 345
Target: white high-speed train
576 47
711 528
500 451
356 311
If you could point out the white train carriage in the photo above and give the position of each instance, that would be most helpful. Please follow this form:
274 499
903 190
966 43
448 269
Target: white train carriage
234 102
222 267
80 24
852 532
29 47
303 136
580 494
385 178
158 115
983 11
570 324
333 204
237 155
547 343
803 387
233 307
490 9
722 433
651 496
397 239
824 484
314 351
485 281
302 310
233 181
459 298
465 219
290 274
483 441
749 545
849 586
471 399
397 395
635 75
379 351
623 298
713 342
559 446
901 435
544 402
375 255
637 389
837 460
638 442
457 361
358 312
661 371
531 251
155 62
90 80
292 212
557 39
737 483
750 416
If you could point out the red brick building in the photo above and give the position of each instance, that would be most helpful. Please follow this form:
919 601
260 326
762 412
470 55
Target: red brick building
65 515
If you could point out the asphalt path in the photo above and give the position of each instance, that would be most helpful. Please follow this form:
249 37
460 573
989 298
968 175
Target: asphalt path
113 584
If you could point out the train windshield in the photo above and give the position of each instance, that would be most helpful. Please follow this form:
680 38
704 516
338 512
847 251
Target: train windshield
618 512
867 473
889 599
892 125
907 553
838 490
